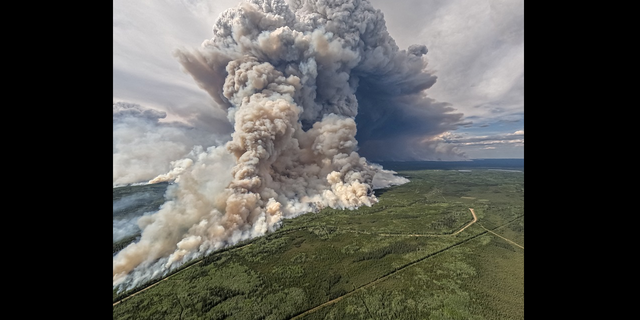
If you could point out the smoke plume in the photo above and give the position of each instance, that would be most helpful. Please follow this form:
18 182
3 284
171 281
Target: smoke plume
305 84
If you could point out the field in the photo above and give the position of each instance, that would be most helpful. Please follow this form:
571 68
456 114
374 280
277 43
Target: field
399 259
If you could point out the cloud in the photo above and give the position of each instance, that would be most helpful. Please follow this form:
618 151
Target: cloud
368 80
516 138
475 47
313 90
302 83
144 147
144 35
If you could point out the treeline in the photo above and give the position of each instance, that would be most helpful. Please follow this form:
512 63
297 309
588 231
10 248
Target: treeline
215 256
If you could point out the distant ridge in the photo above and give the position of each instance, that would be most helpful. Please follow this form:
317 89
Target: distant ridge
511 164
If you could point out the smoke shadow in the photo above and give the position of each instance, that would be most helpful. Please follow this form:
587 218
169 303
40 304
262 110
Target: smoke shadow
379 192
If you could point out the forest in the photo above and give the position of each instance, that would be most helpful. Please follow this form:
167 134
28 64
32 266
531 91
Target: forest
398 259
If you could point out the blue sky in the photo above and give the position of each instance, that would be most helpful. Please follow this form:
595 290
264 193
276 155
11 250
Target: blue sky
475 48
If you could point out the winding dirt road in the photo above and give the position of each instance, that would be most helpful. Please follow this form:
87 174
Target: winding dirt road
475 218
470 223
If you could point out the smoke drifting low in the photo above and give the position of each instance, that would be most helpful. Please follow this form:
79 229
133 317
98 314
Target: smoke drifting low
309 86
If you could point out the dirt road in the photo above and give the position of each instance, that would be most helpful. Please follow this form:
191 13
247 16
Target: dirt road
475 218
470 223
503 237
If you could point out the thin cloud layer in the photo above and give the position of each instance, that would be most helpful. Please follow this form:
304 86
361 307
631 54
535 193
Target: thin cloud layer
515 138
510 145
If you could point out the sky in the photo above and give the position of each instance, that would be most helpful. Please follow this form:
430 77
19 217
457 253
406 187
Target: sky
475 48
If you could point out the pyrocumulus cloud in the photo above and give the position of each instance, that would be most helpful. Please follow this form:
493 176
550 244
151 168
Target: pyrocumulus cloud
310 87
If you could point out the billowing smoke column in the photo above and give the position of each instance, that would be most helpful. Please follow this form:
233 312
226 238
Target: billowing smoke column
288 75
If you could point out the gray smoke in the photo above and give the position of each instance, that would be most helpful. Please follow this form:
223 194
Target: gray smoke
306 84
417 49
125 203
128 209
125 227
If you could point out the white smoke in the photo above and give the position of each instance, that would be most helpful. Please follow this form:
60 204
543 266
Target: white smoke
144 147
287 74
386 178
